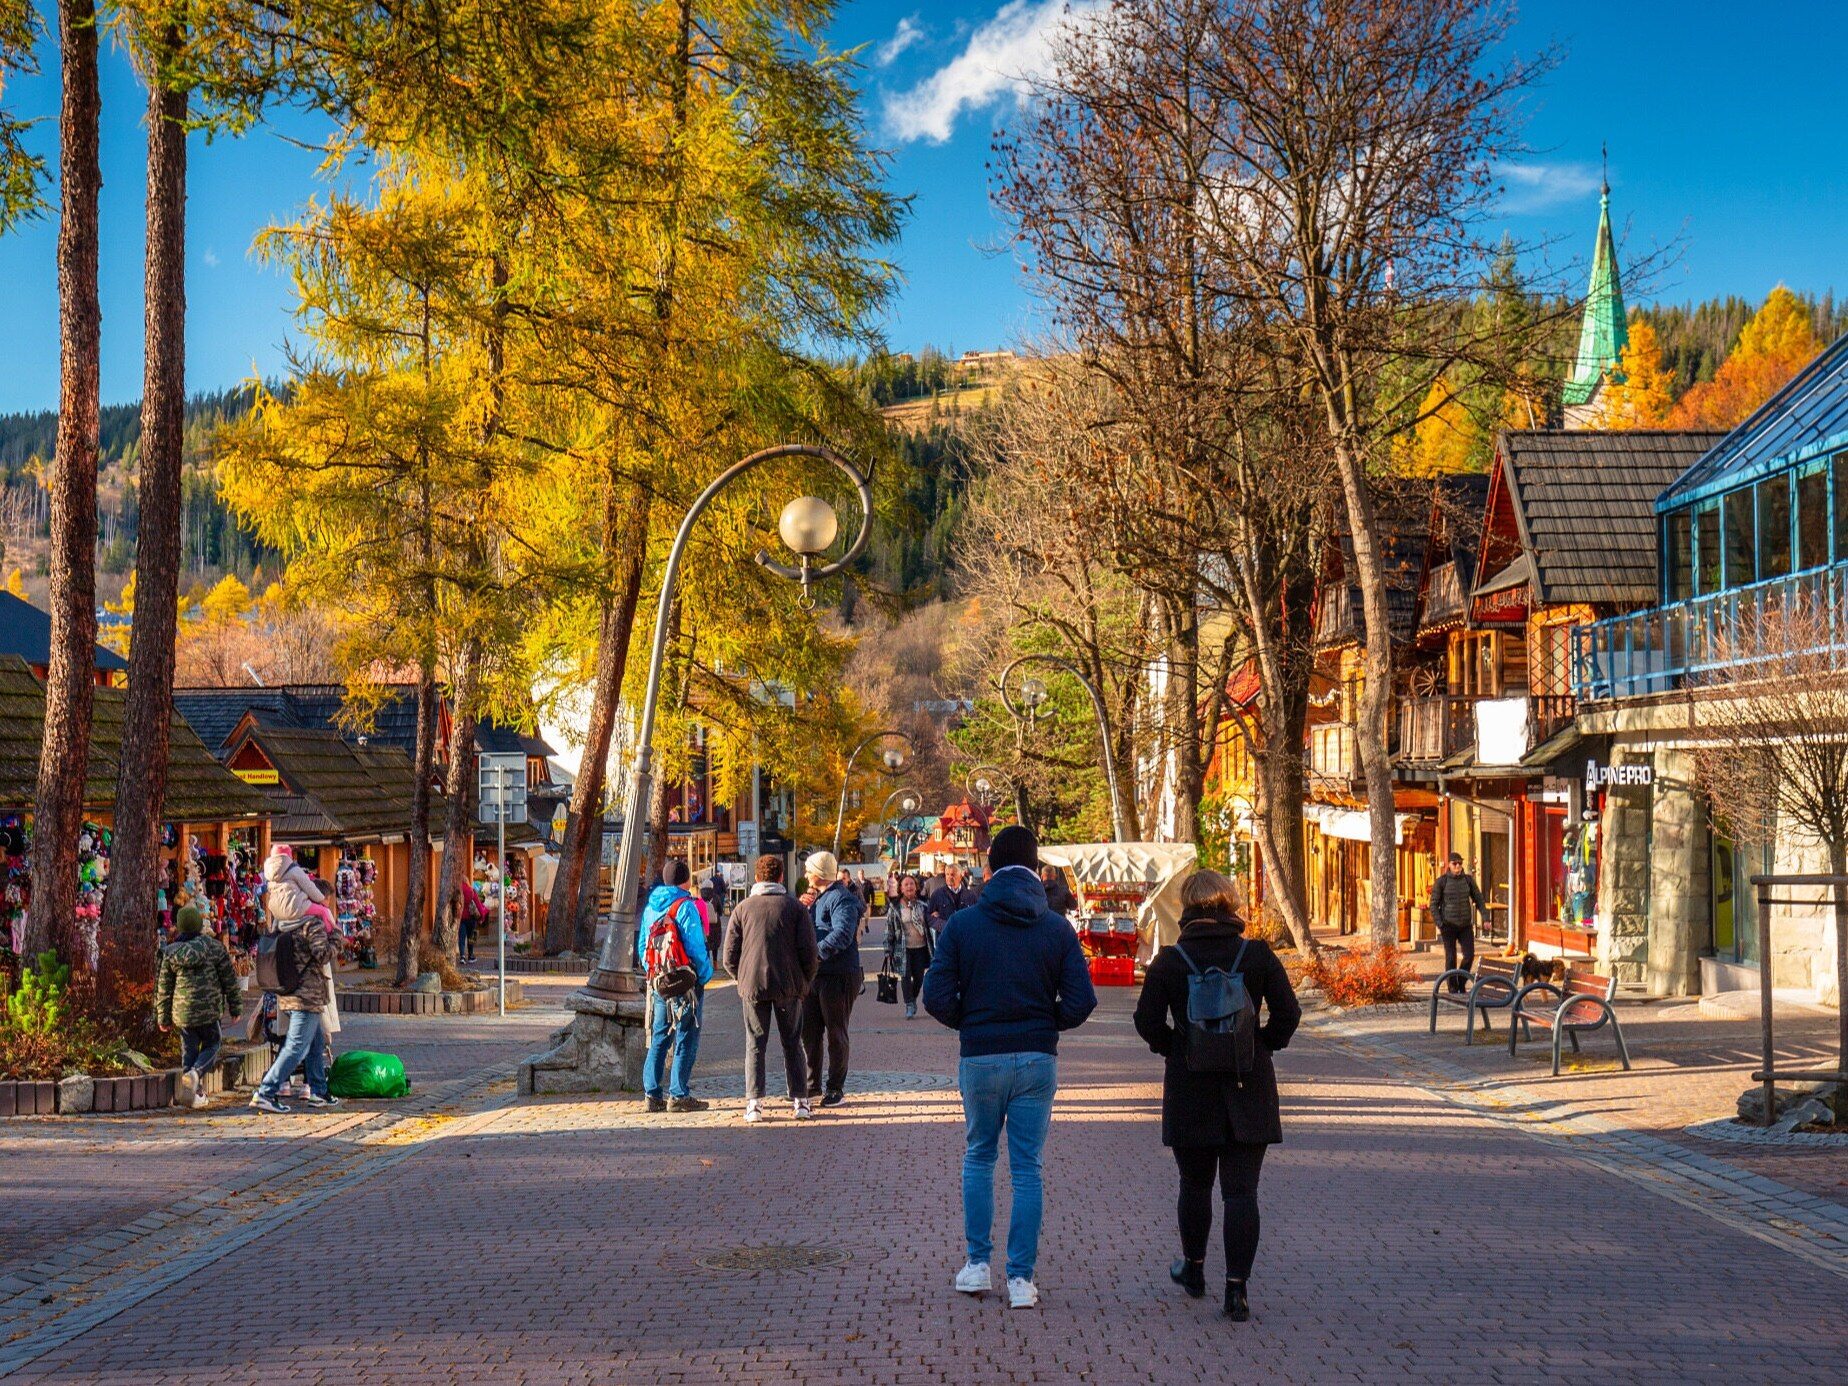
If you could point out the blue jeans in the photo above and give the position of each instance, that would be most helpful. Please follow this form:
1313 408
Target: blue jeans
1012 1091
686 1044
199 1046
302 1045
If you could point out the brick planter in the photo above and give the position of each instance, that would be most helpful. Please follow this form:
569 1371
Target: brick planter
424 1002
484 967
137 1092
23 1098
134 1094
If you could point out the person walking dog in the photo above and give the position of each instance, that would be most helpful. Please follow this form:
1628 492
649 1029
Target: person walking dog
1009 976
836 909
1219 1108
770 952
1456 903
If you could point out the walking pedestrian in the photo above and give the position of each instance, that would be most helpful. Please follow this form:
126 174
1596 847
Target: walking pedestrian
671 920
1009 975
1456 903
945 898
193 988
908 926
1059 897
828 1007
470 918
770 951
303 948
1217 1122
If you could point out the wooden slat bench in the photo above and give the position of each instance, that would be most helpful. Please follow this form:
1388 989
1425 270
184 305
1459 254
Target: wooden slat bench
1492 987
1583 1004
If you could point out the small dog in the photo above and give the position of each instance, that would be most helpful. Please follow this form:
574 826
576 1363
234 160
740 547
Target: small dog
1535 969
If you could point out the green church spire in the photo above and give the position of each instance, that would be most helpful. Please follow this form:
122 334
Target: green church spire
1604 333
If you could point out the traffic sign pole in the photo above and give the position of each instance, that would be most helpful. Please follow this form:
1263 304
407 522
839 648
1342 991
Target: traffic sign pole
500 819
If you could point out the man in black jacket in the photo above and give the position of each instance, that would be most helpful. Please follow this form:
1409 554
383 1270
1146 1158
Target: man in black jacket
1454 895
770 948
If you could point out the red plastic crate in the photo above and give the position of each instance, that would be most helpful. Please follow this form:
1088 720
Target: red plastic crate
1113 972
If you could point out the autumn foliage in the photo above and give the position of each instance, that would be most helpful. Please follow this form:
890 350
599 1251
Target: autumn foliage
1772 348
1362 977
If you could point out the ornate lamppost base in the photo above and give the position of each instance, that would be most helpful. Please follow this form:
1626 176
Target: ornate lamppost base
602 1049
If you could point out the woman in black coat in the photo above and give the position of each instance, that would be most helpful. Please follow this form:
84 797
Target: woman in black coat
1214 1123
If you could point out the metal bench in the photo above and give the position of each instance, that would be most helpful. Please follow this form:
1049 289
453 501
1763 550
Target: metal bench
1583 1004
1492 987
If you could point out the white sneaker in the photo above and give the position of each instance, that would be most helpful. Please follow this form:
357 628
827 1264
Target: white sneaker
974 1279
1022 1294
803 1111
199 1097
184 1089
753 1111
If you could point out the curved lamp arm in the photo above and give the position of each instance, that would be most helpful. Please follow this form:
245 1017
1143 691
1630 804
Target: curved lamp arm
618 953
840 813
1118 823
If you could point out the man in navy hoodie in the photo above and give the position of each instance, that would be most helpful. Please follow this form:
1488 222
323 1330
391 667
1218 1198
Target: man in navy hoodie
1009 975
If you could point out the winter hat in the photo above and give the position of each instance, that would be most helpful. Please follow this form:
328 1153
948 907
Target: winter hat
189 921
1014 846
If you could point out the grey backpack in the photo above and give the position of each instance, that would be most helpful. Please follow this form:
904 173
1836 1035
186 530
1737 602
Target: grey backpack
1221 1035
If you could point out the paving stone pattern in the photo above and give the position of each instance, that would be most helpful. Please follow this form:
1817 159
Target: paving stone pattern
1412 1232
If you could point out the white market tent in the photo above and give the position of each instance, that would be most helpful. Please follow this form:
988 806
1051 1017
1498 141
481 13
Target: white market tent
1162 865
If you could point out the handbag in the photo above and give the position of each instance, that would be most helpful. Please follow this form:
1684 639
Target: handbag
888 987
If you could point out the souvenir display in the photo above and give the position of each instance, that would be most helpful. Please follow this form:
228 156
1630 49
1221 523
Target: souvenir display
354 908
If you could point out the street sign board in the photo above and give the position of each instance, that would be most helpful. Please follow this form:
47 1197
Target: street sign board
503 786
747 840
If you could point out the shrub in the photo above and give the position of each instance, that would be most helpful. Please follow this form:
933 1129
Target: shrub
1365 977
1266 925
45 1033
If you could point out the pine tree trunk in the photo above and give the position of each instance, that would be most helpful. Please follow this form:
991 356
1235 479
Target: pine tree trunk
410 927
65 755
584 825
1180 713
134 870
459 819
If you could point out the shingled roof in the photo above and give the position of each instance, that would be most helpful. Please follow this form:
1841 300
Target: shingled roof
1584 502
199 789
26 631
333 789
216 712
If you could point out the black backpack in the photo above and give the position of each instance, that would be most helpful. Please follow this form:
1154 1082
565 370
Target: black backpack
279 963
1221 1035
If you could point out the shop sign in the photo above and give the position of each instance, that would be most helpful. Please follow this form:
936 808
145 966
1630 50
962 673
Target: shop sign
1509 604
259 775
1600 777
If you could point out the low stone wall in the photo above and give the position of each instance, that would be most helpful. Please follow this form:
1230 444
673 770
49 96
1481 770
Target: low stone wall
80 1094
567 964
424 1002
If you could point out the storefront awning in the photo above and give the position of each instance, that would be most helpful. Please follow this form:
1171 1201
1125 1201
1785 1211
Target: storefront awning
1556 745
1353 825
1519 573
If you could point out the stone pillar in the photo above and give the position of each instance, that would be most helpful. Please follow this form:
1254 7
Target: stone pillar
1680 899
1624 876
601 1050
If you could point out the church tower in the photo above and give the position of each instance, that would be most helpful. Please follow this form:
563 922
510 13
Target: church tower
1604 333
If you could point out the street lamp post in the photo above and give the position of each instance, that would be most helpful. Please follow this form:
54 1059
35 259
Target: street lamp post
1033 694
808 526
894 762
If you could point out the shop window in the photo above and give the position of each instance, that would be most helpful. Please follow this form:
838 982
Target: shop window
1774 527
1707 535
1679 542
1739 524
1812 518
1841 507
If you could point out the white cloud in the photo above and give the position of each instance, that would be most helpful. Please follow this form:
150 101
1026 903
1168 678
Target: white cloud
1540 187
1001 58
210 258
908 32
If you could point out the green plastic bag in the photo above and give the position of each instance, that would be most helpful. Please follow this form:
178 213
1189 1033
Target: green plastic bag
362 1074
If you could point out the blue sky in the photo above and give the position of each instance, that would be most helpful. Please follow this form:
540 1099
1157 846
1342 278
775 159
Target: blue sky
1725 146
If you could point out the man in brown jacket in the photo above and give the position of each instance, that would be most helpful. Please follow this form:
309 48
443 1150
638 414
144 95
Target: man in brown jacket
770 950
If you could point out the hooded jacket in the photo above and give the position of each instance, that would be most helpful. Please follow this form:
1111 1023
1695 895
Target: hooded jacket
1009 974
837 913
196 983
313 948
687 923
770 946
290 889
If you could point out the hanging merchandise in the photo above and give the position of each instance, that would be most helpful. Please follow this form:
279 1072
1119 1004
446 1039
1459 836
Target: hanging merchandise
15 843
1580 853
354 906
93 844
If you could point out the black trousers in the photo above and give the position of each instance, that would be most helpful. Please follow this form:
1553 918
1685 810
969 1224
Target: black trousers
825 1011
757 1016
917 963
1458 936
1238 1167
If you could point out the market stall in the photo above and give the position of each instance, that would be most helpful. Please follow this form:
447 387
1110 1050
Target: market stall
1129 900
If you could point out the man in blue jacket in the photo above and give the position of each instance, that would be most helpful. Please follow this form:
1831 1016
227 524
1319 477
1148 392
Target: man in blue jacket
676 1019
1009 975
836 910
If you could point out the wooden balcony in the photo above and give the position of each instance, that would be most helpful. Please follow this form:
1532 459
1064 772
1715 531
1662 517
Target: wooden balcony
1434 729
1444 599
1335 617
1332 755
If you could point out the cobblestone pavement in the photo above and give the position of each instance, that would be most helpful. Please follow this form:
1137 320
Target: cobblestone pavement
1414 1229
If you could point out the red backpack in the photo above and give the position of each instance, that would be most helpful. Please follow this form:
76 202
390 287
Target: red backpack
670 970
